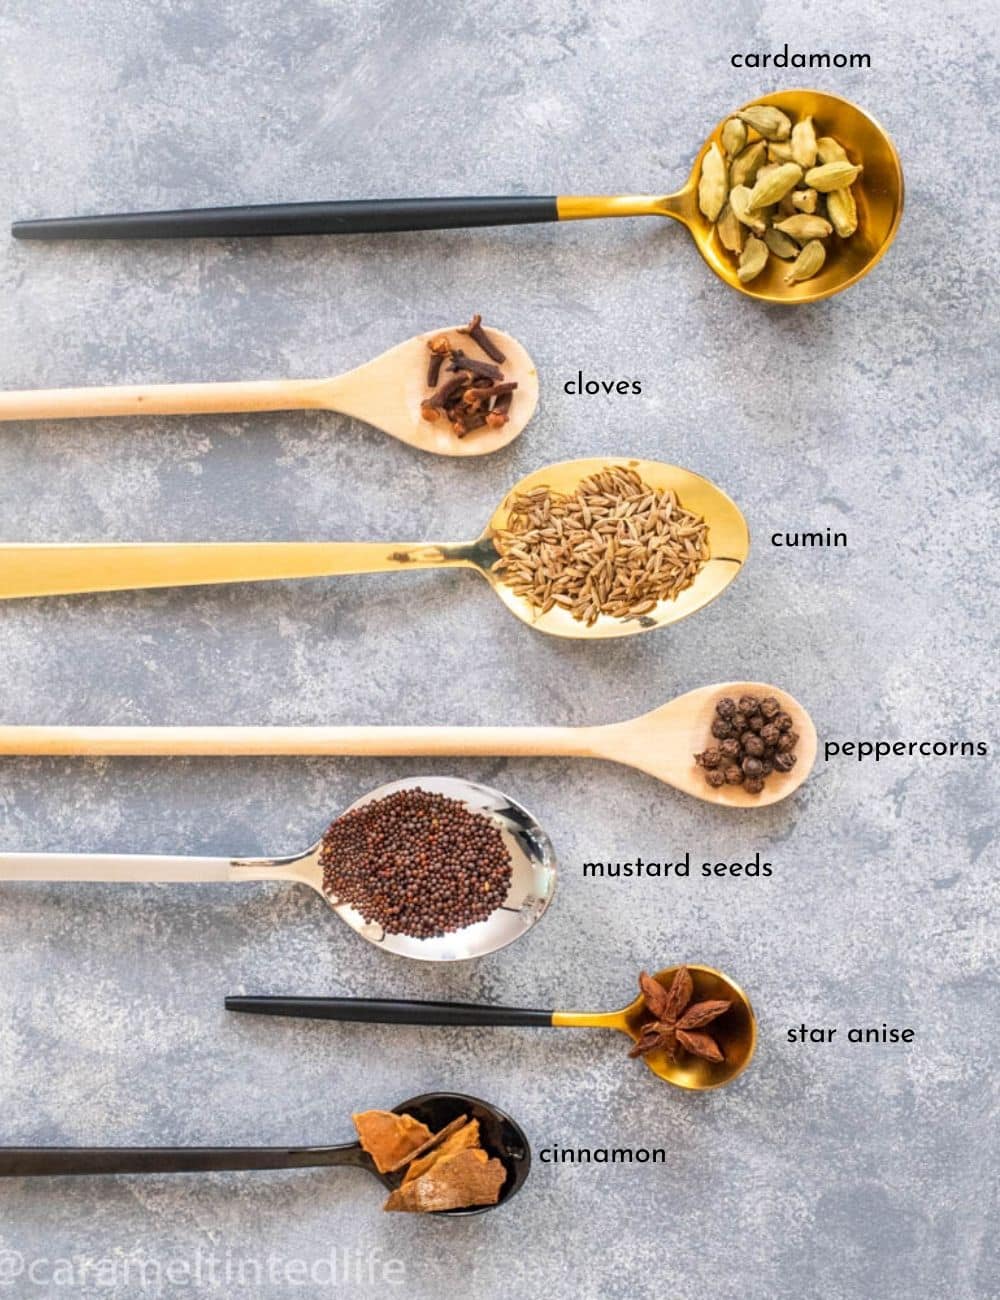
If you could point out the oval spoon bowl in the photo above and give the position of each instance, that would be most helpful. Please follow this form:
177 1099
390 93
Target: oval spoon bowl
664 742
500 1135
728 544
878 192
735 1032
532 886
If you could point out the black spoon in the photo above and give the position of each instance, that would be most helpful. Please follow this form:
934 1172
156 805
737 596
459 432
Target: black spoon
499 1134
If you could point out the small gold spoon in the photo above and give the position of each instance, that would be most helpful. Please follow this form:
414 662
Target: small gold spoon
385 393
735 1031
661 743
57 569
878 192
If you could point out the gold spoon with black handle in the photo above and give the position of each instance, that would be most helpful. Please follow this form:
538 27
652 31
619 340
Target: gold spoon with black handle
879 194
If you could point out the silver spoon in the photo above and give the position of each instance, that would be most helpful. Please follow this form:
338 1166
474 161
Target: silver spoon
533 878
500 1136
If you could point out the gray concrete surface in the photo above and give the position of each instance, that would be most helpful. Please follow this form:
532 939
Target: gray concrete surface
840 1171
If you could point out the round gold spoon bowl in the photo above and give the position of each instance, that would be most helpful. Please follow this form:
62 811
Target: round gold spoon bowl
51 569
735 1031
386 393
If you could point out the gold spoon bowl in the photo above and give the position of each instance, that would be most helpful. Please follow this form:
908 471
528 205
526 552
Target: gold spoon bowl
51 569
878 192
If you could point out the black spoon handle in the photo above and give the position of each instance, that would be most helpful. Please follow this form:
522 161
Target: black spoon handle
366 216
389 1011
35 1162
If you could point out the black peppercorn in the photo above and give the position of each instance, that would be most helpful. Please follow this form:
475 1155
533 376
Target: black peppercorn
784 762
725 707
721 729
739 721
755 722
710 758
734 775
730 748
784 722
752 766
715 778
766 766
753 784
786 742
770 734
749 704
753 745
755 740
770 707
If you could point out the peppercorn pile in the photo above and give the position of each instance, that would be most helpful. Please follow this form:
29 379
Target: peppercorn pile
475 395
416 863
755 739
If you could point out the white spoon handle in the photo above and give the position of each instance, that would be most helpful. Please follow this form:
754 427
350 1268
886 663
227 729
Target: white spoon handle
113 867
382 742
163 399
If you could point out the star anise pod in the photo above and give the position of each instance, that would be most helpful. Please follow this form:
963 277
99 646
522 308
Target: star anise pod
676 1022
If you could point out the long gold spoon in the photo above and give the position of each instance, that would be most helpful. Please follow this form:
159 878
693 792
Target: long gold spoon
385 393
64 569
879 195
661 743
735 1031
532 883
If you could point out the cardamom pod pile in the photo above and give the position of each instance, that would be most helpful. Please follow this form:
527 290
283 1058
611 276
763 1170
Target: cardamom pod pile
775 189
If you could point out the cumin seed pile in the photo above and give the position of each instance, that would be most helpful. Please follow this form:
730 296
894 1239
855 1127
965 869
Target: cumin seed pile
615 546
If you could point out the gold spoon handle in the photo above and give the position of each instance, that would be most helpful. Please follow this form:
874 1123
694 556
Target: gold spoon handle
586 207
164 399
60 570
381 742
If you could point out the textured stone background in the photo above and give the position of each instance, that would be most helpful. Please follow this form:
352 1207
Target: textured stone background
841 1171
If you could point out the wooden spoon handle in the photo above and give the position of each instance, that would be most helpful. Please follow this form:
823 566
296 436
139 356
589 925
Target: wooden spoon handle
60 570
163 399
382 742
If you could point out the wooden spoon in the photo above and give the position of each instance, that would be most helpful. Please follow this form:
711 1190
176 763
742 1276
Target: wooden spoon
735 1032
661 743
52 569
879 195
385 393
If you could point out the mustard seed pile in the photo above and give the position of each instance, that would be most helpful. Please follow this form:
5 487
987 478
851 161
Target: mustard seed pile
416 863
615 546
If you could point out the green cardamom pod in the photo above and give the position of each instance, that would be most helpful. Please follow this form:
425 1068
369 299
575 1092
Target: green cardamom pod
753 259
828 150
779 152
832 176
769 122
805 200
739 201
714 183
808 263
842 210
732 233
747 163
734 136
803 227
780 245
775 185
804 143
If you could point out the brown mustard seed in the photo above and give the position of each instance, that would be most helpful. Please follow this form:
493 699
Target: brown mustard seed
416 863
756 738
